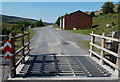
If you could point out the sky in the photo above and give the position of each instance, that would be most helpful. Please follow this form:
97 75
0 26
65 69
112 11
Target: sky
47 11
59 0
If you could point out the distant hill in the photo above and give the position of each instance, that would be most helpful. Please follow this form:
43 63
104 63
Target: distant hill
14 19
9 21
46 23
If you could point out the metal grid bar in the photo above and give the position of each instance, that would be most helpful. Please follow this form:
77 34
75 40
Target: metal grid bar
51 65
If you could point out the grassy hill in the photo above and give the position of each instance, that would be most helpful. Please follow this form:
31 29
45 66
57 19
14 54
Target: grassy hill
101 21
100 11
15 20
9 21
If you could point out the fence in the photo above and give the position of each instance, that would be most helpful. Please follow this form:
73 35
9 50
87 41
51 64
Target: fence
3 66
105 51
20 46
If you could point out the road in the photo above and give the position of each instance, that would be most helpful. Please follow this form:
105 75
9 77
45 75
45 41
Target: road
56 57
53 54
48 40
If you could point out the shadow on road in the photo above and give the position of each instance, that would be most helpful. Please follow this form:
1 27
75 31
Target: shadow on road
53 65
41 65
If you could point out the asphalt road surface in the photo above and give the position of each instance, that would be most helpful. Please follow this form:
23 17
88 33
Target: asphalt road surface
47 40
52 54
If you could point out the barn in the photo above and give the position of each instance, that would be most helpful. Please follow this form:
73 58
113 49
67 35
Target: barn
78 20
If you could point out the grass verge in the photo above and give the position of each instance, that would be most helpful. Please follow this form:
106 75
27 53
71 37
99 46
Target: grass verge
86 44
32 33
55 26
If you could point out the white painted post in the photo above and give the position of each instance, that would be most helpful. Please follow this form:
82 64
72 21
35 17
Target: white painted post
63 23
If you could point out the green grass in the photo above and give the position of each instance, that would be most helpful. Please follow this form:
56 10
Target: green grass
32 33
55 26
86 44
101 21
82 31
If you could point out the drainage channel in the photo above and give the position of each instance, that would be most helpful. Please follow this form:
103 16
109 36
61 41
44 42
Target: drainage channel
53 65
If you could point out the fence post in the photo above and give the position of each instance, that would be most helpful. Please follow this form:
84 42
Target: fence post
117 71
22 44
28 41
92 41
112 47
12 63
103 46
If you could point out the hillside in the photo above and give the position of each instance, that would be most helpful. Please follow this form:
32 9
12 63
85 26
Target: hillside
14 20
9 21
98 12
101 22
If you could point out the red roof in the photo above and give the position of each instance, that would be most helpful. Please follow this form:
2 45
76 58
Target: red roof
75 12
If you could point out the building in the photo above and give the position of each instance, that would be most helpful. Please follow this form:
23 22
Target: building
77 20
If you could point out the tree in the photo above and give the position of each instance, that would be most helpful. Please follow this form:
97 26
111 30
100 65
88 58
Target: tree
32 25
108 7
27 24
65 14
118 9
58 21
92 14
39 23
24 23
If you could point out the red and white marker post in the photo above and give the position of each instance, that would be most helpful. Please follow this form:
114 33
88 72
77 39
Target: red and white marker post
7 49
